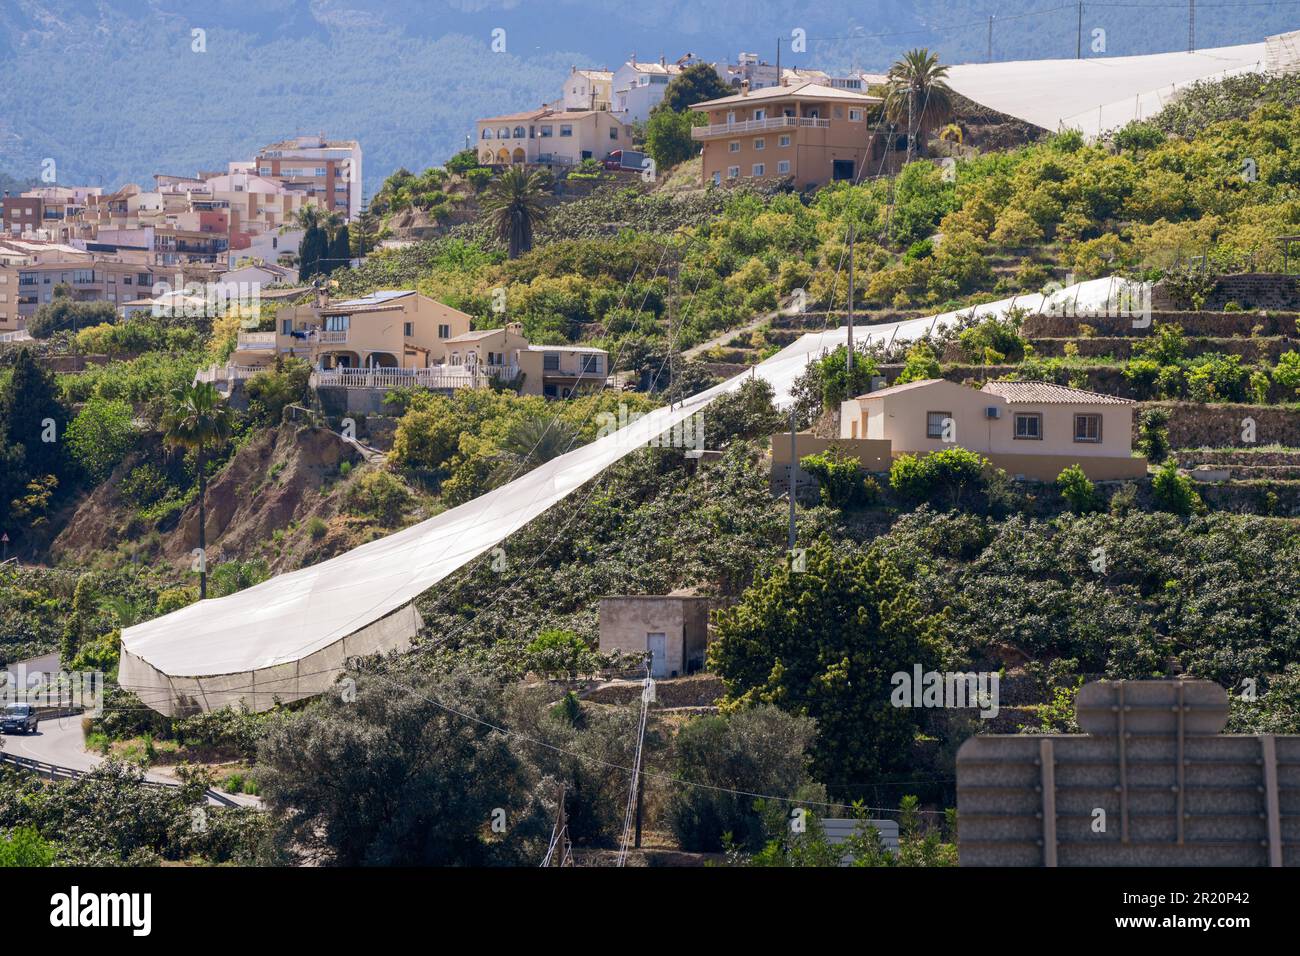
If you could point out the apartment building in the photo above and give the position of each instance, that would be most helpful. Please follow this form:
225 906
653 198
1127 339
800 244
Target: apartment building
328 171
811 133
551 137
30 270
22 214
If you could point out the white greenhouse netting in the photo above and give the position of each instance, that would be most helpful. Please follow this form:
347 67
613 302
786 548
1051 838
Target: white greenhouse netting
1096 93
290 636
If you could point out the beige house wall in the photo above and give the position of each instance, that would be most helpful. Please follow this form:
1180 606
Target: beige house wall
900 419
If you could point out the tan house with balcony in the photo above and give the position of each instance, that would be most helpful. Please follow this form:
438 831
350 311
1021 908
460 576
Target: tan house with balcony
389 329
811 133
395 338
1031 430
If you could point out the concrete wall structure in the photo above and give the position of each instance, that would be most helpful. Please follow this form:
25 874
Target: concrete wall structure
628 622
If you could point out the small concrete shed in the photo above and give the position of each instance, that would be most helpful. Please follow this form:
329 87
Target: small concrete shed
672 628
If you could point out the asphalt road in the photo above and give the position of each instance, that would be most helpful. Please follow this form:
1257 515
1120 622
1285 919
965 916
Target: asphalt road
59 741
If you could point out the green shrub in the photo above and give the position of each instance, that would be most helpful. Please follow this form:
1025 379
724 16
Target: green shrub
316 528
945 474
1153 434
843 485
379 495
1173 491
1287 371
560 653
1076 489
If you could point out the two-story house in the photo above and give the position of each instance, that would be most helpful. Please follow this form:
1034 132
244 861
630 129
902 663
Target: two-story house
388 329
551 137
812 133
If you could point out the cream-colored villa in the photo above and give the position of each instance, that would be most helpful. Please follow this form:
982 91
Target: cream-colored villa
394 338
1029 429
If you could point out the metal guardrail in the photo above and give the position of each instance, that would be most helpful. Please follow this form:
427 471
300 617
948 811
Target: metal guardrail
53 771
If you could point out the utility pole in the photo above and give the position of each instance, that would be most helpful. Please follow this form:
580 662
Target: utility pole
990 38
778 61
640 804
1191 26
1078 41
794 471
849 358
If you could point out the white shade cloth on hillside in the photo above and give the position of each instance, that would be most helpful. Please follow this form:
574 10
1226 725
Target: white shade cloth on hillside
289 637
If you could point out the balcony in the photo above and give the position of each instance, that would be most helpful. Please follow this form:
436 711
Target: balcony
437 377
336 337
756 126
255 341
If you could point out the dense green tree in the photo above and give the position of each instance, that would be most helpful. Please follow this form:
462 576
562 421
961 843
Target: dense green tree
398 776
668 137
33 415
695 84
824 642
918 96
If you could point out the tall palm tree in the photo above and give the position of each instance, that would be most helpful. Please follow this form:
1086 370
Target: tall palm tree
918 95
513 205
196 418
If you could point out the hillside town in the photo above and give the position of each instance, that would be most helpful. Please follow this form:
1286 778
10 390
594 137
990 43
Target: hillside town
737 464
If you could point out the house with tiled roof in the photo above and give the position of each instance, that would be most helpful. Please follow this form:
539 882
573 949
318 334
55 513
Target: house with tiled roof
1029 429
551 136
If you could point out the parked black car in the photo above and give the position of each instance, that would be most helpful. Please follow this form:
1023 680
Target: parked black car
18 719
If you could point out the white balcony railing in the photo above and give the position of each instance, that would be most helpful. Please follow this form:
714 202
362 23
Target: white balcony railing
439 376
255 341
223 374
757 126
332 338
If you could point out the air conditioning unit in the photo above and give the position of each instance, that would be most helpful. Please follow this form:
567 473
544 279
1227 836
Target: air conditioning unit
992 411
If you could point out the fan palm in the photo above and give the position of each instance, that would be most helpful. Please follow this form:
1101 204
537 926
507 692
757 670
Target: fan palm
530 443
918 95
513 204
197 419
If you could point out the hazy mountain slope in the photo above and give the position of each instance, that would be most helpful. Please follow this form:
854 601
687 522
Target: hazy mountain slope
112 91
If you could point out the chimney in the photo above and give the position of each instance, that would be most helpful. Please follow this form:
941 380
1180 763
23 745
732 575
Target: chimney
744 87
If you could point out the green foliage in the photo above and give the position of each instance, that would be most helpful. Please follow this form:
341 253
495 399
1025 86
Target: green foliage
33 419
1173 491
922 363
561 653
101 436
947 474
24 847
840 476
759 749
823 643
273 390
379 495
695 84
837 383
1001 335
64 313
397 776
1076 489
668 136
1153 434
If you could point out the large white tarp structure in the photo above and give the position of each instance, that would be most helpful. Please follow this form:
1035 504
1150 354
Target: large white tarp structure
1100 93
290 637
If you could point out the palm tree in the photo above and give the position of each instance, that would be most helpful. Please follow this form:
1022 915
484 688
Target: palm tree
530 443
197 419
513 205
918 95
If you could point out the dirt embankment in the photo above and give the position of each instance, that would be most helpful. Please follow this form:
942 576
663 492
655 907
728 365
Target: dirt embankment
277 482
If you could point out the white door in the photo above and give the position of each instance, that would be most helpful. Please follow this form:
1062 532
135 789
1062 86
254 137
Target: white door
657 645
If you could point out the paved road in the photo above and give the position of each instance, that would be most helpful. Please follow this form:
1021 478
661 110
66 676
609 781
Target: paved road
59 741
